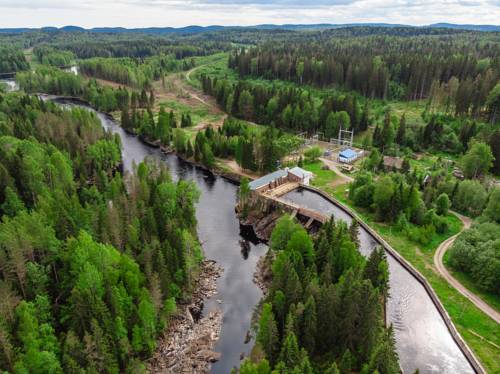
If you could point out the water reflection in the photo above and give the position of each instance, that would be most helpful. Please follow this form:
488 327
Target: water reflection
221 234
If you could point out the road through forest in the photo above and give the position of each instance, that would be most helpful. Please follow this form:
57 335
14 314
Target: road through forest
438 262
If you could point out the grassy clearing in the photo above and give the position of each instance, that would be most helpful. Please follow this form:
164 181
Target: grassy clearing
198 113
411 109
214 66
322 178
467 318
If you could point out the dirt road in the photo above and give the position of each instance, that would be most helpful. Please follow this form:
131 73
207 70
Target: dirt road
343 178
438 262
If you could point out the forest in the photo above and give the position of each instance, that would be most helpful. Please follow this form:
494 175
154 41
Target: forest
92 261
476 251
385 67
324 309
134 72
48 55
12 61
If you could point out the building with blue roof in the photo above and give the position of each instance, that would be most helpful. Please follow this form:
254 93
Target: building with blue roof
348 156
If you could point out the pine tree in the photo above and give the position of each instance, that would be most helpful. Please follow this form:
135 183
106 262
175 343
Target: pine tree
308 339
290 354
333 369
189 149
400 136
364 122
268 333
385 358
377 270
346 363
354 231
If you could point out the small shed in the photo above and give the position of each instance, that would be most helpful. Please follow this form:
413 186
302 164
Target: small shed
348 156
300 175
348 168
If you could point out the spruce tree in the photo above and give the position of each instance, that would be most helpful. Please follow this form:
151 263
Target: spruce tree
268 333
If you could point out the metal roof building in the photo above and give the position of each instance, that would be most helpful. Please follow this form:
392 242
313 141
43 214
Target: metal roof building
268 178
348 155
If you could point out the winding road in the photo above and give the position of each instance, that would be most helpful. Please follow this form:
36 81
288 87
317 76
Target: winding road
438 262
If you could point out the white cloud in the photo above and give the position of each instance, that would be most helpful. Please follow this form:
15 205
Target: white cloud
146 13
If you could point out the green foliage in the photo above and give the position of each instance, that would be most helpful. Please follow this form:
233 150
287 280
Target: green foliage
55 81
492 211
470 198
288 108
477 253
394 200
134 72
13 60
442 204
92 267
330 60
312 154
477 161
47 55
324 300
268 333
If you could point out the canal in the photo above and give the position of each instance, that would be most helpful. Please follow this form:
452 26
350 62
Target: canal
422 338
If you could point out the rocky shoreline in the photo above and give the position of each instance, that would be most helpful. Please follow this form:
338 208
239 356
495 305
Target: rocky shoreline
263 275
188 343
262 218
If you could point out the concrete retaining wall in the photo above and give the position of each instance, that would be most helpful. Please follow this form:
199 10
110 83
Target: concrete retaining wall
476 365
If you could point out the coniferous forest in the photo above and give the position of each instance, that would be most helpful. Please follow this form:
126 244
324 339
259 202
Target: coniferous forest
98 262
92 260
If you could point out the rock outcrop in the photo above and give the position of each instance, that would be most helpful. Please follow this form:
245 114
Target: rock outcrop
188 344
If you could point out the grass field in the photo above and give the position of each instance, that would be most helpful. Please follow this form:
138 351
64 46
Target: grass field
322 178
198 114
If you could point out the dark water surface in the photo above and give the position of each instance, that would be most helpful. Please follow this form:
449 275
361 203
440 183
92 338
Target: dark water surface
422 338
219 232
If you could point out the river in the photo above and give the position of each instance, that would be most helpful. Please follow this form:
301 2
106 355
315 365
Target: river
219 232
422 338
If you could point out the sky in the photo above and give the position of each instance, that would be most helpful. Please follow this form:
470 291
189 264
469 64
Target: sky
162 13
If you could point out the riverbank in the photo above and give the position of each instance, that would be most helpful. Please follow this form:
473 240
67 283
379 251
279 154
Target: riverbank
187 345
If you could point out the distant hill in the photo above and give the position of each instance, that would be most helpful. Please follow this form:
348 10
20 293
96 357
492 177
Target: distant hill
466 27
194 29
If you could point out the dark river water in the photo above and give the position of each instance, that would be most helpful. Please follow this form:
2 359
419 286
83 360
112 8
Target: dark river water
423 340
219 231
